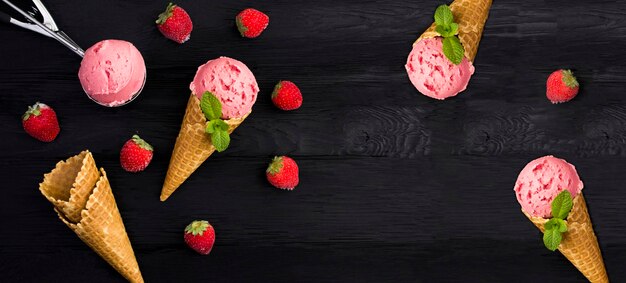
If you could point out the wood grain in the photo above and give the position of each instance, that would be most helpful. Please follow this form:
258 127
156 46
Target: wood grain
395 186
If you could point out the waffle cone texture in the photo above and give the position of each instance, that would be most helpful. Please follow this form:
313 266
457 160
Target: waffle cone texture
193 146
471 16
579 244
83 200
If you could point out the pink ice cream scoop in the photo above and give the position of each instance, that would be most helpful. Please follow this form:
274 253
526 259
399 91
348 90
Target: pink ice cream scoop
542 180
433 74
112 72
231 82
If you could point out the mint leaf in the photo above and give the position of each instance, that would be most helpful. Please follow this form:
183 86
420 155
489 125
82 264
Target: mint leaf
216 125
444 31
211 126
443 16
220 139
562 204
561 225
448 31
551 224
221 125
556 224
552 238
454 28
453 49
211 106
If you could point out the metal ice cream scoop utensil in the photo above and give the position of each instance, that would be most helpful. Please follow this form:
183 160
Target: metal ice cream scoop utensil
46 26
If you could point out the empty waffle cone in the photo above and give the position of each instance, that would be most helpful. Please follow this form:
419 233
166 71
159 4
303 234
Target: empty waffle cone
471 16
100 224
193 146
69 185
579 244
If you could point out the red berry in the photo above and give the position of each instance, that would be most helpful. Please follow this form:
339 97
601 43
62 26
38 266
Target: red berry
135 155
561 86
175 23
200 236
40 122
282 173
287 96
251 22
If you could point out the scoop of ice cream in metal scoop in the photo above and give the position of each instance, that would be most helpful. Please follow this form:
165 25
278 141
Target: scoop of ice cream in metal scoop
112 72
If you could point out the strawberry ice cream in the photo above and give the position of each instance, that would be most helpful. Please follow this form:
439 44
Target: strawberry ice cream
433 74
542 180
112 72
231 82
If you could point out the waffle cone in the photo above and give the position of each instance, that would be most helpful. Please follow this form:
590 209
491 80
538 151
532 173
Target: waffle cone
69 185
193 146
471 16
99 224
579 244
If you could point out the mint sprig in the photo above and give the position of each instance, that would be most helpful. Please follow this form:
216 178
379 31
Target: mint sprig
448 29
553 229
215 126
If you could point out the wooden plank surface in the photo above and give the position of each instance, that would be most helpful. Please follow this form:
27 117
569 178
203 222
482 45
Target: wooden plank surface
395 186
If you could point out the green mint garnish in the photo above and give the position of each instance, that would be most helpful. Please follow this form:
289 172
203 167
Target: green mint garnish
443 16
221 140
448 29
552 239
211 106
453 49
562 204
215 126
555 227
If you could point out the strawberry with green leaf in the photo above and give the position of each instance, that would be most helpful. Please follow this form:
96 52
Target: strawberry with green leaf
561 86
200 236
174 23
136 154
40 122
283 173
251 22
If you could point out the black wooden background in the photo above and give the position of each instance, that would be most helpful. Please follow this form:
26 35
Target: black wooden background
395 186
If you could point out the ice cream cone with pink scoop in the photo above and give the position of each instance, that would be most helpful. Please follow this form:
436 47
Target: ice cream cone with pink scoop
442 60
222 94
550 193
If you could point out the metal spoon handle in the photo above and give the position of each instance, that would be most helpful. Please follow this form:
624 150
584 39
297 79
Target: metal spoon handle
72 46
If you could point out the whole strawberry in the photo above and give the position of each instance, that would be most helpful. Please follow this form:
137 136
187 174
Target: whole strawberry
561 86
287 96
175 23
136 154
200 236
40 122
282 173
251 22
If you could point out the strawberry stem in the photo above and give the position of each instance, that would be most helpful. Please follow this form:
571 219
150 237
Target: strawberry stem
197 227
166 14
275 165
240 26
142 143
277 89
34 110
569 79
